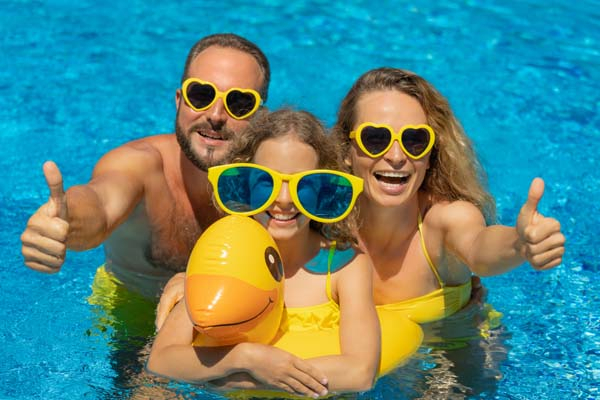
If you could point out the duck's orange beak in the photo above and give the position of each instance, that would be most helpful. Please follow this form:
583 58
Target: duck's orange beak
226 308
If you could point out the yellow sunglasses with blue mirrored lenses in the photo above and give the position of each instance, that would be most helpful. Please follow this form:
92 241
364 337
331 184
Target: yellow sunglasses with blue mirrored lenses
248 189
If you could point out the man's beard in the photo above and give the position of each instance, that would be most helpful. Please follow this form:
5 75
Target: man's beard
203 163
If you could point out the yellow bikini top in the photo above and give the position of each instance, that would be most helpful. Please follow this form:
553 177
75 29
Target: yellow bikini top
323 316
435 305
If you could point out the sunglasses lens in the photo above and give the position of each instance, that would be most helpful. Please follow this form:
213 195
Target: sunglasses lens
327 196
200 95
244 189
240 103
415 141
375 139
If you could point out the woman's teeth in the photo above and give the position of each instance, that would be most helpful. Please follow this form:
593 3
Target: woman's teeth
393 177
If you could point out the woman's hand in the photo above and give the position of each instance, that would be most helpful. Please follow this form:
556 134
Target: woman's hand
542 243
171 295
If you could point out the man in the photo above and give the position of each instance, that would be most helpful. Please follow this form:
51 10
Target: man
149 200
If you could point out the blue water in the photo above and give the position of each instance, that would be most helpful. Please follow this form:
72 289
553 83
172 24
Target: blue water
79 78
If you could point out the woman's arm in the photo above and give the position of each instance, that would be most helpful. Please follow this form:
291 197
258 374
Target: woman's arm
360 337
496 249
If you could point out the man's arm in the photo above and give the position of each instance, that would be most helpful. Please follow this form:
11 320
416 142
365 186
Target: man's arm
82 217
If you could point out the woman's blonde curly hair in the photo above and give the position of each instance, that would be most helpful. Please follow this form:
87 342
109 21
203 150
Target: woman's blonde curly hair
455 172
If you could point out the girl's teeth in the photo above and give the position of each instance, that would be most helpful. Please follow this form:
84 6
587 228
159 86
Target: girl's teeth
283 217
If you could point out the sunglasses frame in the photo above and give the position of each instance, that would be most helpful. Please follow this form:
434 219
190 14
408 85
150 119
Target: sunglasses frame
214 173
395 136
220 95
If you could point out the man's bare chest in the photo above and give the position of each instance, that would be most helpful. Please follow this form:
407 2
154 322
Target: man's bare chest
172 238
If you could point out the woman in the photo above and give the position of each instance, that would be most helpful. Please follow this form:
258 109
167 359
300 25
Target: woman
424 208
340 292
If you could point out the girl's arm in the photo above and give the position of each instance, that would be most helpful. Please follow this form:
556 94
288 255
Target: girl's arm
173 356
360 338
171 295
496 249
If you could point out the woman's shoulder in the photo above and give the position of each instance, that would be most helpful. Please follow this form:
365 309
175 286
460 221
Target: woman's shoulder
445 213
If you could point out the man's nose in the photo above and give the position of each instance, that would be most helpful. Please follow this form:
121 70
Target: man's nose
217 113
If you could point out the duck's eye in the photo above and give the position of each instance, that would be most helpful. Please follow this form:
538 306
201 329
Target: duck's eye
273 261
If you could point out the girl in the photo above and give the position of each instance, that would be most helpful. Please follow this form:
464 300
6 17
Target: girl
283 144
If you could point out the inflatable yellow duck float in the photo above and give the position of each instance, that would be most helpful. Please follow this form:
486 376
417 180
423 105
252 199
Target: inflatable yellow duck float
234 292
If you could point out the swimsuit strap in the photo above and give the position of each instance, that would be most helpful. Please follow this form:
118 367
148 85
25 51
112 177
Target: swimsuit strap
433 268
329 263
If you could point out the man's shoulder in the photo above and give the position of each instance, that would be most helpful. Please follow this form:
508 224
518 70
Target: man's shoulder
155 146
162 143
148 152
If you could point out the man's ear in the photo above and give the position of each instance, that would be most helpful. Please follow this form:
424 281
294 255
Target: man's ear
177 98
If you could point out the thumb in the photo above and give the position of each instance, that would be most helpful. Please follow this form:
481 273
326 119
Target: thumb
57 194
529 209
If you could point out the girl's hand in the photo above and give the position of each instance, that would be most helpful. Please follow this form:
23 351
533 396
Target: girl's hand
282 370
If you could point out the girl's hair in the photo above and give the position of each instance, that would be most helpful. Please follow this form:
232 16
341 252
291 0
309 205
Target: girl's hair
455 173
307 129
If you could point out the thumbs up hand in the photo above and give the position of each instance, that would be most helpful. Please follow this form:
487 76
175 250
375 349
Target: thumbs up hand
542 243
45 236
57 204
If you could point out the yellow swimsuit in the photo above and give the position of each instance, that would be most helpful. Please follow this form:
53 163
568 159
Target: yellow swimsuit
323 316
436 305
313 331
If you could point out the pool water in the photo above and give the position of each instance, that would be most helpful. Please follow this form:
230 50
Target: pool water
79 78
